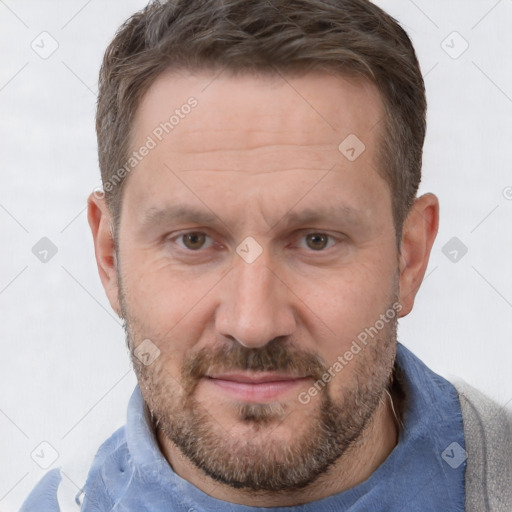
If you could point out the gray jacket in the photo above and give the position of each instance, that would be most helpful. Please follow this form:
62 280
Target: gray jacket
488 435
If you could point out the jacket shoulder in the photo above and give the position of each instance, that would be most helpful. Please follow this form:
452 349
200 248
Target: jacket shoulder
43 497
488 437
49 495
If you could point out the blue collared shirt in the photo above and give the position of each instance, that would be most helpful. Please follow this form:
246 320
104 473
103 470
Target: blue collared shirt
424 472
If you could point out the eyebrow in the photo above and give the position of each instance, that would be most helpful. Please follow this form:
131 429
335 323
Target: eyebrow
186 213
320 214
178 213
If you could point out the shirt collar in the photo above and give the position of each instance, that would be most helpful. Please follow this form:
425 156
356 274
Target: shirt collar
428 425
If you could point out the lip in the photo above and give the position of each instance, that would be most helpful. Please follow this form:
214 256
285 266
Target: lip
255 377
255 387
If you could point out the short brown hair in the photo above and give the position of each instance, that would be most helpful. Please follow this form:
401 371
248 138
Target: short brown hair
342 36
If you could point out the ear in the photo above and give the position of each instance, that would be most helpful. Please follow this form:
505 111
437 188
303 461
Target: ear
101 225
418 235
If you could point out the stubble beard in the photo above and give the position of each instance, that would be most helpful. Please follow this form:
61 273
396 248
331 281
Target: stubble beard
257 461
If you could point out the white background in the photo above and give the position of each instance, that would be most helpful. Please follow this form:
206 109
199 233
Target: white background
64 372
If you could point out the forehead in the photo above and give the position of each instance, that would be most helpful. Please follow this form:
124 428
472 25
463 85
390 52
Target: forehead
243 110
265 137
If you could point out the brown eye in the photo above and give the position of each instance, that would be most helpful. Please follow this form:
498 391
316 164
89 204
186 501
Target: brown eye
317 241
193 240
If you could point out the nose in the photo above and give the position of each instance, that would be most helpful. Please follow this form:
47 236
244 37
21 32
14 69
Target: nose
256 305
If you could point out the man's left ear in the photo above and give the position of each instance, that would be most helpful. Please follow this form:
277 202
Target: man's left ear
418 234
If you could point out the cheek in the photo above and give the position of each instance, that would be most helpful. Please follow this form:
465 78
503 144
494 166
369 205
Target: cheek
163 297
346 302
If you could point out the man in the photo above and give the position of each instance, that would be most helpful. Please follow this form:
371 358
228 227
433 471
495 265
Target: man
260 235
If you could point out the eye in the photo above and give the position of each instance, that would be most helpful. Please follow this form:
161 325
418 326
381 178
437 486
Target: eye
196 240
318 241
193 240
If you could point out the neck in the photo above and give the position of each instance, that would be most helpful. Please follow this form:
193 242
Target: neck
356 465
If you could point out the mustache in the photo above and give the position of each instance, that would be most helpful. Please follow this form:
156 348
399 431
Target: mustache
274 356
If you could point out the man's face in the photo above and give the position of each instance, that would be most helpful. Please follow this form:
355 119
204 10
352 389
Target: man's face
253 253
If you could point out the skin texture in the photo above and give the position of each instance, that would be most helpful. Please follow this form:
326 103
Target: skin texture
253 152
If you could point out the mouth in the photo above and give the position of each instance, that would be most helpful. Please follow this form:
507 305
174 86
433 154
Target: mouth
255 387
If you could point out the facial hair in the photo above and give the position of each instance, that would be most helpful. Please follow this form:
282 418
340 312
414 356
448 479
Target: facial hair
261 462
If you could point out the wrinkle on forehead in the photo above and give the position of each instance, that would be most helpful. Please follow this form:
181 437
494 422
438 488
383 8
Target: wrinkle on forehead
256 148
246 110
